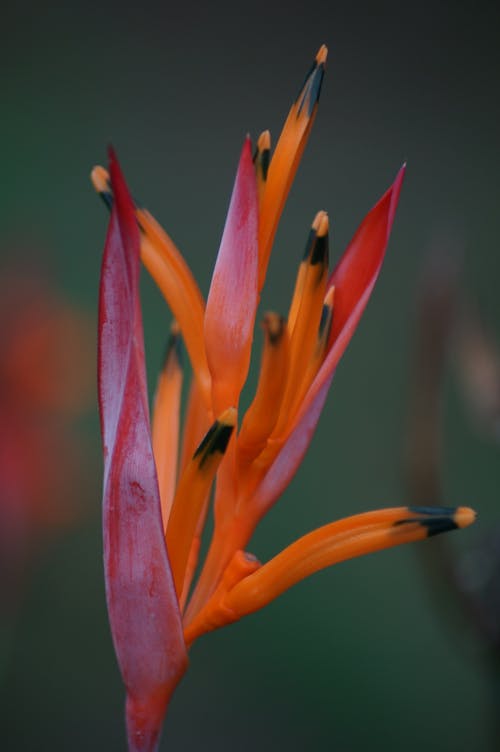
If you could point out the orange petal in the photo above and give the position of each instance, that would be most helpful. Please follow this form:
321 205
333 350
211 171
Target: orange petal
192 491
197 421
320 348
261 416
304 328
165 423
174 279
286 158
348 538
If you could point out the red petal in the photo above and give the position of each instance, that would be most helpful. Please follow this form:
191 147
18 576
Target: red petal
233 297
143 608
354 278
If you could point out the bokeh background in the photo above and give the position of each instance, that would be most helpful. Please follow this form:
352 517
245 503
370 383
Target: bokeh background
359 657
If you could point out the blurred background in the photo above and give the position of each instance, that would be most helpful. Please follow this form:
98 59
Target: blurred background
364 655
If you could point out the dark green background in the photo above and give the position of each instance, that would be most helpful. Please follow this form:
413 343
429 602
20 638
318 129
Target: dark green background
357 657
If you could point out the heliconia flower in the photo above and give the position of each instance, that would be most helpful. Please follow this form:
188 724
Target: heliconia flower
158 481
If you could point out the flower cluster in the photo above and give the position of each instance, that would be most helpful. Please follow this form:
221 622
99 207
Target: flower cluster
158 480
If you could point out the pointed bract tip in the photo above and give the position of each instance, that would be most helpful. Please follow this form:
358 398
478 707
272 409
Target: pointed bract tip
465 516
246 156
392 195
112 154
247 144
398 181
322 54
116 176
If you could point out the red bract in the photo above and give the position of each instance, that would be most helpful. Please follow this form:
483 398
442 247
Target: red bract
252 463
143 610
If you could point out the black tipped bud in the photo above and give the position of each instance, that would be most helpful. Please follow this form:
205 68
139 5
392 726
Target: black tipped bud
319 253
316 251
274 326
311 88
438 520
217 437
174 348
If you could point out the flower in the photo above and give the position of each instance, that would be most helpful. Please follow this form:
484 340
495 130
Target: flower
156 495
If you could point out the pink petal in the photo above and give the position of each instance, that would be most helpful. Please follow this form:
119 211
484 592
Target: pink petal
292 453
233 297
143 608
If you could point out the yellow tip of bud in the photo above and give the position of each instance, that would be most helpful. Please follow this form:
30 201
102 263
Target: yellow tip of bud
264 141
228 417
322 54
100 179
464 516
321 224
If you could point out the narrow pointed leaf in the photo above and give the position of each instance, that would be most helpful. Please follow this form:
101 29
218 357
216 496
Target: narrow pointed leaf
143 608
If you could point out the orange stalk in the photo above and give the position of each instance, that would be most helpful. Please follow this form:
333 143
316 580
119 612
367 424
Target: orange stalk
286 158
262 414
261 160
165 423
354 536
226 539
169 270
320 348
197 421
192 491
309 307
339 541
175 281
297 295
